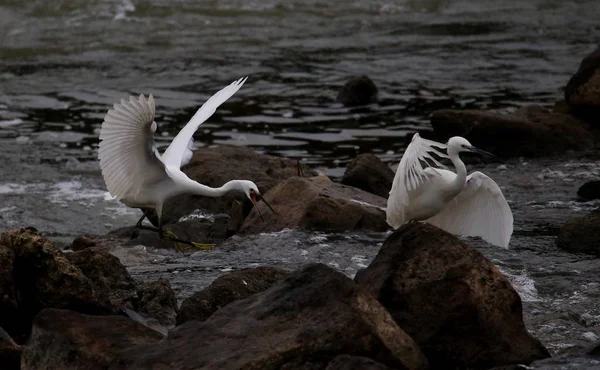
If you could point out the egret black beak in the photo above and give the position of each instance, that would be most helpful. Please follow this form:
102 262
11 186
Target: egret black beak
255 198
476 150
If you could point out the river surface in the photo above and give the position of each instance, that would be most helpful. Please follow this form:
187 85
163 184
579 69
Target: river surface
64 63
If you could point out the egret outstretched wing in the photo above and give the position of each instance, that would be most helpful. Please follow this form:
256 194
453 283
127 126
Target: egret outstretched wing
411 174
179 152
480 209
128 156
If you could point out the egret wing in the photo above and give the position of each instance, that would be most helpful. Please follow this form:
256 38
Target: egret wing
411 174
179 152
128 155
480 209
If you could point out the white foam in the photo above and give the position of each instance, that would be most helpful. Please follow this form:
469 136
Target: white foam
523 284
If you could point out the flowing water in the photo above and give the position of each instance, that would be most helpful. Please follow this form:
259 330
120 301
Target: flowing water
63 63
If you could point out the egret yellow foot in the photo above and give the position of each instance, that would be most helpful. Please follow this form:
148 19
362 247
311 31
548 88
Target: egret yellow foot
184 245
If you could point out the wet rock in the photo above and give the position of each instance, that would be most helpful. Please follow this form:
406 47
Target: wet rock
44 277
590 190
582 92
581 235
157 300
82 242
10 352
345 362
108 275
532 131
63 339
303 322
358 91
8 293
369 173
226 289
215 166
452 300
317 203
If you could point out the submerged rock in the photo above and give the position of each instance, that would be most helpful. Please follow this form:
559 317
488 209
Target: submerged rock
532 131
226 289
10 352
452 300
157 300
369 173
304 322
581 235
590 190
215 166
317 203
63 339
358 91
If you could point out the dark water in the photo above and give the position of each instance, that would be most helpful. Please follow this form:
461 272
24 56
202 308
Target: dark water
63 63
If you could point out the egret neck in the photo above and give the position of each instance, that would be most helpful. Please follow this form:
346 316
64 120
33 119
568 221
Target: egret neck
461 172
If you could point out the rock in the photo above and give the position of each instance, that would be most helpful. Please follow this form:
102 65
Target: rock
369 173
581 235
303 322
8 294
157 300
10 352
108 275
215 166
63 339
43 277
226 289
452 300
345 362
582 92
530 132
359 90
590 190
82 242
317 203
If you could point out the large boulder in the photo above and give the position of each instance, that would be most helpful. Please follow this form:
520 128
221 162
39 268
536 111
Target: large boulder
452 300
581 235
317 203
214 166
63 339
226 289
304 322
157 300
582 92
369 173
10 352
360 90
531 131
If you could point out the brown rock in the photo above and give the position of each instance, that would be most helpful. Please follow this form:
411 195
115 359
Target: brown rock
226 289
581 235
10 352
530 132
452 300
369 173
358 91
345 362
303 322
317 203
157 300
82 242
8 293
582 92
63 339
215 166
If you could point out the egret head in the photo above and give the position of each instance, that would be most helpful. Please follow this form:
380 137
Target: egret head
251 191
459 144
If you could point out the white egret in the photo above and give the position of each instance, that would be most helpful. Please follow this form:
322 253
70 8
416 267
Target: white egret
466 205
136 173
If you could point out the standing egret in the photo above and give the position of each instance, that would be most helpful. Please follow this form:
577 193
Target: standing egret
136 173
467 205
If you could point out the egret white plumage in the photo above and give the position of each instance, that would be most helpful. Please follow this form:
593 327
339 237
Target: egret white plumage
470 205
136 173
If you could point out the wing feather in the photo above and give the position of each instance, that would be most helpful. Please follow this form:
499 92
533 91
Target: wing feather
480 209
127 153
175 155
411 174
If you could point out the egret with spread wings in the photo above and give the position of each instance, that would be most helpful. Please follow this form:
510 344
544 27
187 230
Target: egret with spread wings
136 173
423 190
